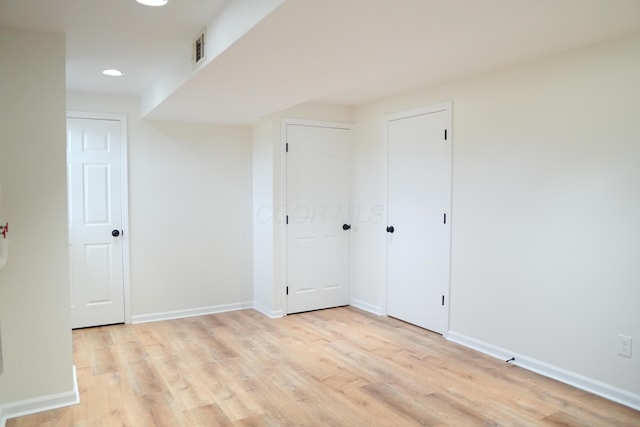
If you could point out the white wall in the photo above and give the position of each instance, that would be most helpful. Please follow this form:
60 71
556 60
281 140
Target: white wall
34 285
368 228
263 219
546 201
190 211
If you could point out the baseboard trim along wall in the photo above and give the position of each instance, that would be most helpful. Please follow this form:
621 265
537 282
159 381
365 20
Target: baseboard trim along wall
272 314
576 380
40 404
367 307
191 312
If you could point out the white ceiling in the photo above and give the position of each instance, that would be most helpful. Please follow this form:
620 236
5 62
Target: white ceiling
334 51
122 34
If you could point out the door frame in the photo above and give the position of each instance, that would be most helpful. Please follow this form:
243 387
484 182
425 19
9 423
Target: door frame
122 118
434 108
283 191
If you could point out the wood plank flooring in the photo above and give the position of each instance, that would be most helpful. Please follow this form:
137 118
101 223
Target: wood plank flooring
338 367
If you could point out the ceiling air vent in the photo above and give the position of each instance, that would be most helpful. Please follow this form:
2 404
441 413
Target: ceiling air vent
198 49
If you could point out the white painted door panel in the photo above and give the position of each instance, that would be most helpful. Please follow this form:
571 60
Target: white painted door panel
419 197
317 209
94 162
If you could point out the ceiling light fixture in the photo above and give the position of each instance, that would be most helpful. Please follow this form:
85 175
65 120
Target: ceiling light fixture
112 73
153 2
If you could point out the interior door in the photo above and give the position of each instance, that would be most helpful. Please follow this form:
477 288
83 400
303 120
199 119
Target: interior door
317 217
419 200
94 165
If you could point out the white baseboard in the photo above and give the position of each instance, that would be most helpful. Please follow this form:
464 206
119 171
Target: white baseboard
596 387
201 311
367 307
272 314
39 404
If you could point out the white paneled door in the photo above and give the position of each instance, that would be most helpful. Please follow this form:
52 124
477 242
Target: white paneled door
318 225
419 201
94 164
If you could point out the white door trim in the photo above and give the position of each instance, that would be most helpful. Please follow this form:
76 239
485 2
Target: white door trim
122 118
435 108
419 111
283 191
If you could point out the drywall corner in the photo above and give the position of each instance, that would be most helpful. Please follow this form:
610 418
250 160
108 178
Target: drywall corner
40 404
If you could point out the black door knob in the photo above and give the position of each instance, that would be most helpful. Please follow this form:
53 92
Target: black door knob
346 227
390 229
115 233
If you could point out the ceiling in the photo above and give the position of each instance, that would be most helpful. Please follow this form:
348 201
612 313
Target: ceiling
296 51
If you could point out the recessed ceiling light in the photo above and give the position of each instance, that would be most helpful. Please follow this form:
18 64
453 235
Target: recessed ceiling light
152 2
112 73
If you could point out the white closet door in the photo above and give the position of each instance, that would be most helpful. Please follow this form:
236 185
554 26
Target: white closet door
318 213
419 200
94 160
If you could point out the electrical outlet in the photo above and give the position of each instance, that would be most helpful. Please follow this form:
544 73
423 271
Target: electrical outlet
624 345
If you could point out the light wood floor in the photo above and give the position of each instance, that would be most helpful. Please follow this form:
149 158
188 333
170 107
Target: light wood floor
339 367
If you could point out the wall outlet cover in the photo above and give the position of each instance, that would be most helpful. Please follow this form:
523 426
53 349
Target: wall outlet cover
624 345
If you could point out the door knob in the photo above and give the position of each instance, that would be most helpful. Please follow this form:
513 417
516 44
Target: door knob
115 233
346 227
390 229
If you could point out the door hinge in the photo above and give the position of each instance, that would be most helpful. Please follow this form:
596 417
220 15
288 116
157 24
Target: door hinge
287 290
286 147
445 134
443 300
287 219
445 218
